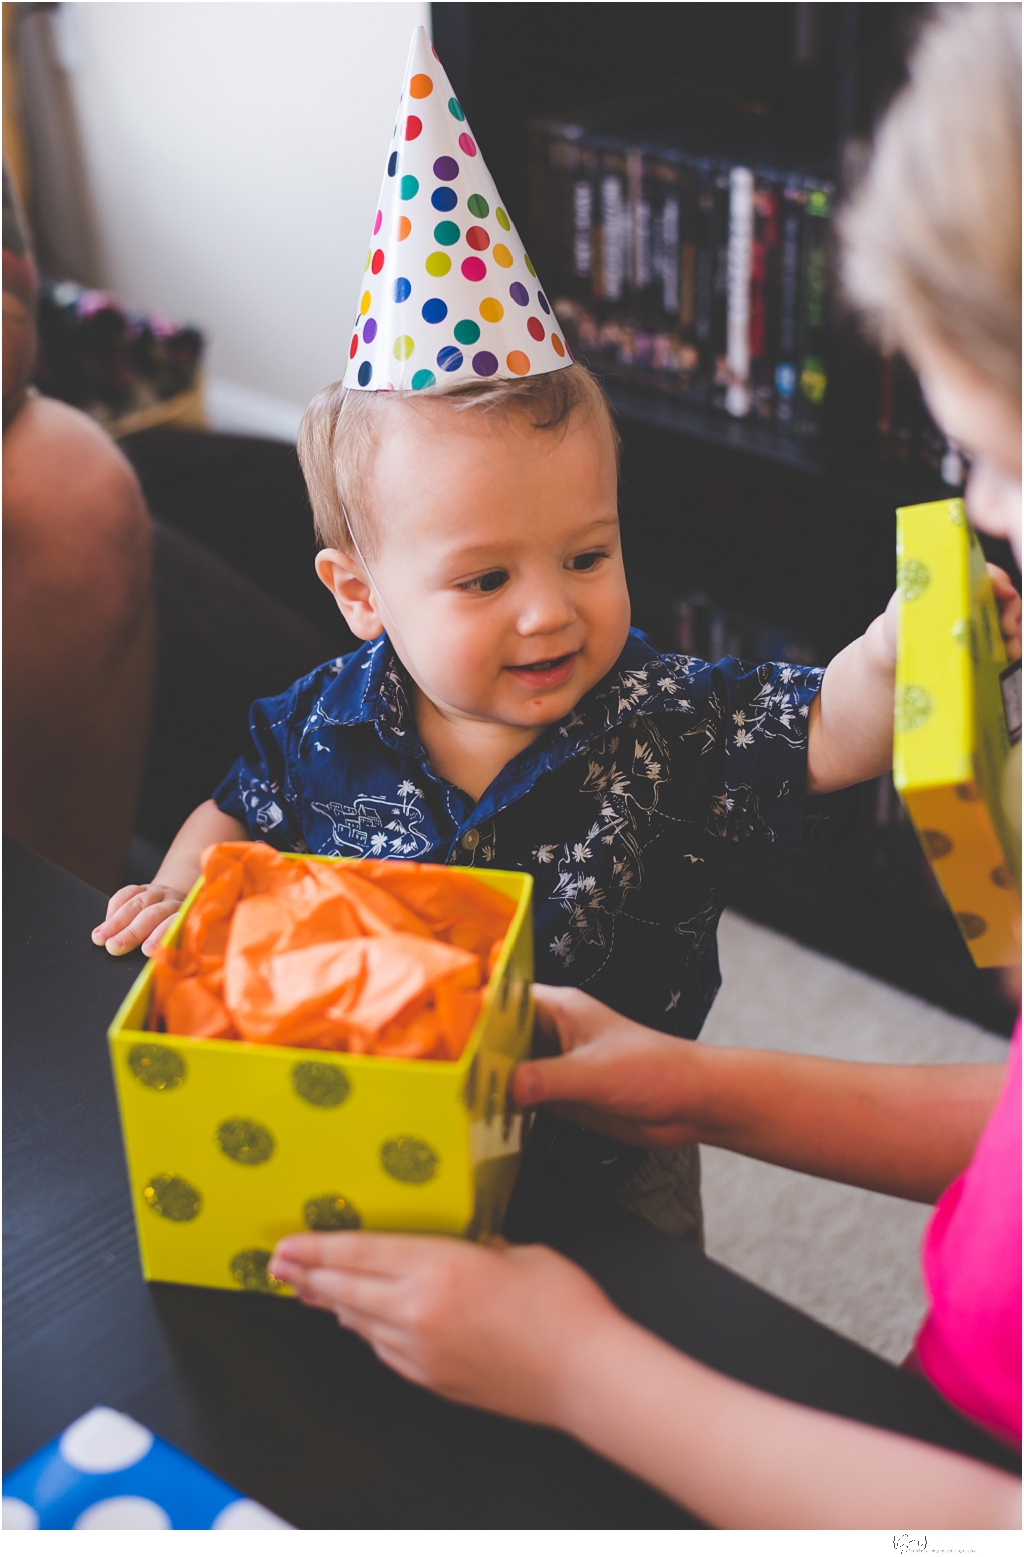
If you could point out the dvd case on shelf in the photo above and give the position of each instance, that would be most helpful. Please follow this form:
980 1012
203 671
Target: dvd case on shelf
765 294
737 338
708 280
812 384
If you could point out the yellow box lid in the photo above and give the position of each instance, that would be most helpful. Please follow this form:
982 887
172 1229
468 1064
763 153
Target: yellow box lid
949 723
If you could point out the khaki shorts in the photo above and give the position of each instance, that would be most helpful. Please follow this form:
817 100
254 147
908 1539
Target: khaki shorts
665 1189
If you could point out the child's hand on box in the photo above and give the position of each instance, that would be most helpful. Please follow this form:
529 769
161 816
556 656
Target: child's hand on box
491 1326
137 916
850 724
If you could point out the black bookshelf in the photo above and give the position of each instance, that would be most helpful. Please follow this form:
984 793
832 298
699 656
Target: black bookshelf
738 513
710 427
802 83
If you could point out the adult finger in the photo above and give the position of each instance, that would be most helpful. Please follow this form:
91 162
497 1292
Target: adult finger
374 1298
306 1294
583 1076
546 1037
573 1017
394 1358
288 1271
537 1081
1002 585
316 1294
383 1254
556 1019
1007 598
560 1080
377 1331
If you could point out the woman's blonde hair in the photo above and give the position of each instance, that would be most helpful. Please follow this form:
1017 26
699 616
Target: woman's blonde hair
932 237
342 430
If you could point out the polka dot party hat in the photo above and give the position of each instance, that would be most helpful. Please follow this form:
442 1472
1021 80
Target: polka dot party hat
449 294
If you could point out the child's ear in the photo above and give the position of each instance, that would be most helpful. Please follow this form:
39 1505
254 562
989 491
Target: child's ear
345 579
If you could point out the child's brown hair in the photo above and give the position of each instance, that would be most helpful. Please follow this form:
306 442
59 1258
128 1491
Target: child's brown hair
932 237
342 428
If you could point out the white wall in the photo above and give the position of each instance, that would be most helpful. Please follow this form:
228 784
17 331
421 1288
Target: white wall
234 153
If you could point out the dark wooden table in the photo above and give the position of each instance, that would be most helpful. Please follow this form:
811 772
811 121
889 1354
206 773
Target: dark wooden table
275 1398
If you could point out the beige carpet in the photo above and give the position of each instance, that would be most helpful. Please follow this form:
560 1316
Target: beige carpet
847 1256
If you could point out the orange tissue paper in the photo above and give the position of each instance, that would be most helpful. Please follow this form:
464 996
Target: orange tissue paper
371 956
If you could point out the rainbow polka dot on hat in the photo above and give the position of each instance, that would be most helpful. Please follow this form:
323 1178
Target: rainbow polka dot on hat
449 294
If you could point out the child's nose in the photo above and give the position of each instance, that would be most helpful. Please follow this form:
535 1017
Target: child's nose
546 606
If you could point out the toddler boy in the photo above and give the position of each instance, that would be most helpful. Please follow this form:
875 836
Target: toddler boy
503 714
463 481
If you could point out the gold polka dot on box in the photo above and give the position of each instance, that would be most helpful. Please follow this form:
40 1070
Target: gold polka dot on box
232 1145
449 294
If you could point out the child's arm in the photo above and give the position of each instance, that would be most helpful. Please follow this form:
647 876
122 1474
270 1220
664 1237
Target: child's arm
138 914
904 1130
850 722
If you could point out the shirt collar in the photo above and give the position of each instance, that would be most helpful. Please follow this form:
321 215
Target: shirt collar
370 686
373 687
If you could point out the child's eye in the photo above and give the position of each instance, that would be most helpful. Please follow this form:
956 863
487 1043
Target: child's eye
586 560
486 584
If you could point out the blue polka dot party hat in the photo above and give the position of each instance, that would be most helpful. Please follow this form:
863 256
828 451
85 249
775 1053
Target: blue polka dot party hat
449 294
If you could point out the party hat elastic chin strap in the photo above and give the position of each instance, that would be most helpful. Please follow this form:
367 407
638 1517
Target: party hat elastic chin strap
370 578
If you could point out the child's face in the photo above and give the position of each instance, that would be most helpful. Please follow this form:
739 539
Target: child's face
499 570
987 426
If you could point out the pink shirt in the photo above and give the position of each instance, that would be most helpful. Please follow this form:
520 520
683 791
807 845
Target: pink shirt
969 1345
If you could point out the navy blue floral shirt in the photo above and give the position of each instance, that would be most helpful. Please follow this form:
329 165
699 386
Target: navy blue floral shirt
623 814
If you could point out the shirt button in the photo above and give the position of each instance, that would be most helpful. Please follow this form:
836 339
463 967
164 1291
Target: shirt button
470 839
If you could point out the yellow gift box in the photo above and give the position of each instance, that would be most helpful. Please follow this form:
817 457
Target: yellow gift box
951 741
232 1145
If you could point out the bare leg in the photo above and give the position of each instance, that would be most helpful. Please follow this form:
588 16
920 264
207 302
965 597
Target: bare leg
79 640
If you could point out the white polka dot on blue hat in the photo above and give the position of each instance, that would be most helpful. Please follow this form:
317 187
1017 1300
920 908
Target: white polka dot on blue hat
108 1472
